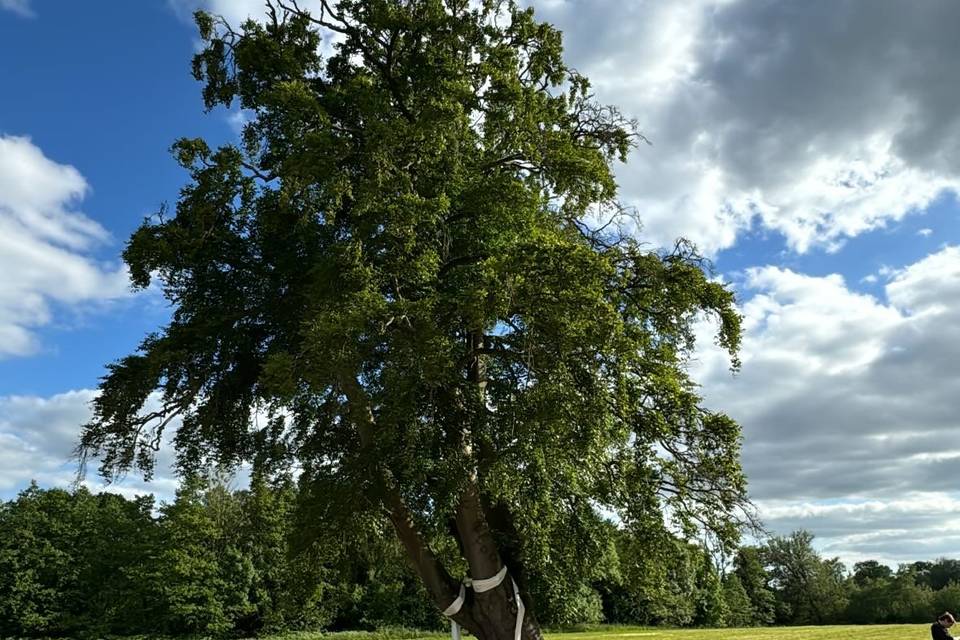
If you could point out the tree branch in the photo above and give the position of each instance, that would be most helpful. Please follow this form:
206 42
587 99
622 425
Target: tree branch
442 588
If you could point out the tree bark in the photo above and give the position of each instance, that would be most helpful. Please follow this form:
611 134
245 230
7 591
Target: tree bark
443 589
495 610
488 615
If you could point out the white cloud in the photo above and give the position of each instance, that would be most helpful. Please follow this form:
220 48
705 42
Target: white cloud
37 439
38 436
20 7
45 245
926 233
238 119
848 406
234 12
914 526
817 120
820 121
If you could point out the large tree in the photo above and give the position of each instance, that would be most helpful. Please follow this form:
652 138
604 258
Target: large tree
809 588
404 282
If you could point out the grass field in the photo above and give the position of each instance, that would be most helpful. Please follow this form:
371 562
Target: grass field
865 632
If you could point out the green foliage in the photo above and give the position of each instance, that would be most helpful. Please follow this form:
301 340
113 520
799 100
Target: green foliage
869 604
711 603
938 574
869 572
68 562
36 572
378 590
408 222
945 599
219 562
204 579
749 569
909 601
292 590
739 609
809 589
657 582
214 561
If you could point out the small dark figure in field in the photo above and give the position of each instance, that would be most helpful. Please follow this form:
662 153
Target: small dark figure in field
939 628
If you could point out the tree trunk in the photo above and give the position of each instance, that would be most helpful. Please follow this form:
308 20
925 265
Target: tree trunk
489 614
495 611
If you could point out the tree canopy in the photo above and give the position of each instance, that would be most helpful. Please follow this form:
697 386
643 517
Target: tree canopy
410 283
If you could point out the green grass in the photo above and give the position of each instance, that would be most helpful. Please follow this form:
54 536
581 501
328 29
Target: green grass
860 632
864 632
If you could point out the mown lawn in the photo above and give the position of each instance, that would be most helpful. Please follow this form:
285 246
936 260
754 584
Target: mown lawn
858 632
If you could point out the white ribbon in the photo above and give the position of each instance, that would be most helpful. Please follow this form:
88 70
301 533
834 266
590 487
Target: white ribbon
489 583
481 586
453 610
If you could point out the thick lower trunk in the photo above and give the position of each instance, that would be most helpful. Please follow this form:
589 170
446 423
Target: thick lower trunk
489 614
495 611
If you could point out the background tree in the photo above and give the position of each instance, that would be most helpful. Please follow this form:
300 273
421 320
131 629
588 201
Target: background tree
711 603
749 568
69 563
739 609
945 599
204 579
237 562
869 604
870 571
293 585
38 535
809 589
657 582
942 572
920 570
406 267
908 601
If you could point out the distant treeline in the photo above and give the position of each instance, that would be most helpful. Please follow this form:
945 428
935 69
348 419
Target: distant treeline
218 562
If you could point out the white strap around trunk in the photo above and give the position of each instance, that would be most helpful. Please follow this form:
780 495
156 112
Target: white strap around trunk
480 586
455 606
489 583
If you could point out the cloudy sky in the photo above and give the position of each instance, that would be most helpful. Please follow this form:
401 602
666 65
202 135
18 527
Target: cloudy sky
811 149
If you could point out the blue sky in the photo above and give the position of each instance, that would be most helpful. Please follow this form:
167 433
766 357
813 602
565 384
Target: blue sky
105 90
812 150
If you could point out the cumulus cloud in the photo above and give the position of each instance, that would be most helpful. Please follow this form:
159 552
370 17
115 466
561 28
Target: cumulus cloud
911 527
848 402
45 245
38 436
20 7
818 120
37 439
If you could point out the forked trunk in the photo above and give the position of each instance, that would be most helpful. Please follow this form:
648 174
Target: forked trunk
495 609
491 603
